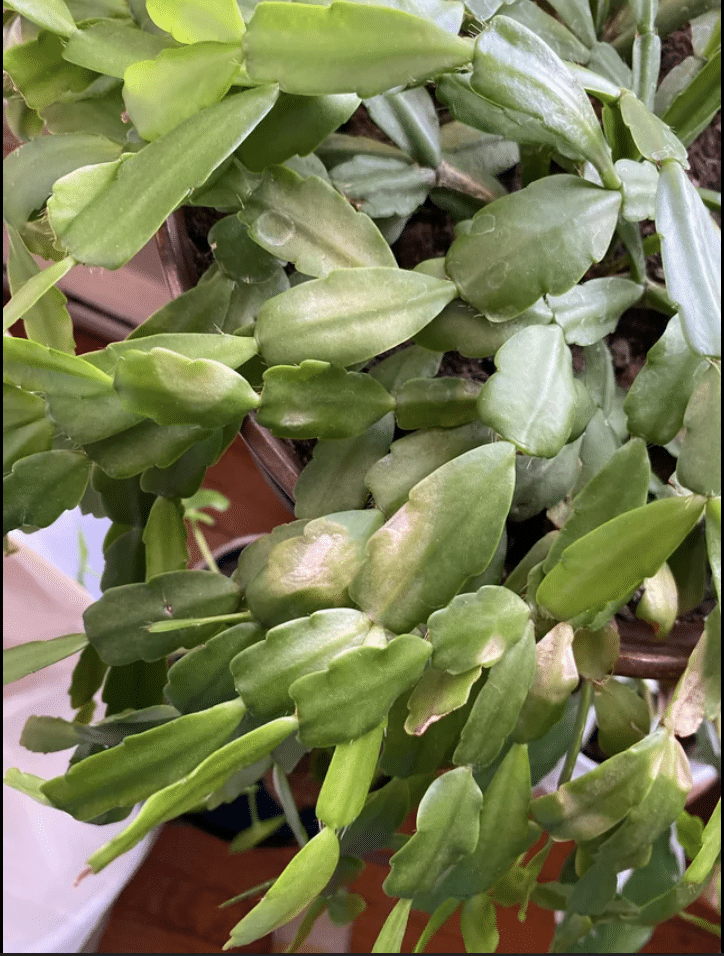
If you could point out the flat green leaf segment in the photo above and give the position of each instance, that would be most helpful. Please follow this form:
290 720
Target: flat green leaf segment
24 659
117 624
514 69
476 629
193 21
691 253
346 48
657 400
173 390
610 561
389 938
698 692
112 46
193 788
48 321
448 821
593 803
503 829
531 399
32 291
295 126
143 763
307 222
652 136
348 316
446 532
302 880
42 486
312 400
333 545
539 240
264 672
497 706
163 92
699 464
347 781
153 182
357 689
26 429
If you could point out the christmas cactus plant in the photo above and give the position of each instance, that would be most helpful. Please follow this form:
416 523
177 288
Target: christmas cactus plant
440 620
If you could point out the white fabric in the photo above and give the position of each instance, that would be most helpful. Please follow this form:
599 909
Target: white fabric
44 850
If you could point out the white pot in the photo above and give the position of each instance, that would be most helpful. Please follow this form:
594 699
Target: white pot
44 850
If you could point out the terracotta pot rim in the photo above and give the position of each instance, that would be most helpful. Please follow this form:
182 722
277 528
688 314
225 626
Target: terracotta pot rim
642 655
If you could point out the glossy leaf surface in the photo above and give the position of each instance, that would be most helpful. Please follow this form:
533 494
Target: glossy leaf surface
202 678
193 21
185 156
24 659
588 312
52 15
444 402
307 222
40 73
111 46
295 126
504 832
652 136
117 624
264 672
657 400
26 429
608 562
556 677
698 692
539 240
414 457
302 880
143 763
173 390
530 401
410 120
389 939
448 821
349 316
30 171
477 629
312 571
622 716
621 485
659 604
657 811
691 253
40 487
163 92
334 480
443 535
319 400
348 779
498 705
356 690
437 694
699 464
594 802
346 48
48 321
514 69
